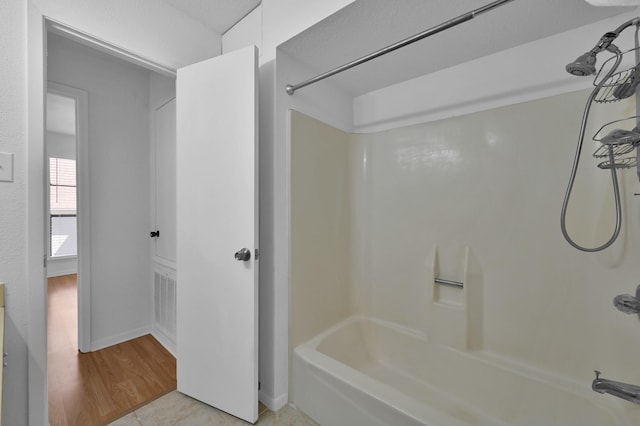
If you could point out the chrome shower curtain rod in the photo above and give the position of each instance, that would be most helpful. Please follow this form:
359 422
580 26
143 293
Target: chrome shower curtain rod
291 88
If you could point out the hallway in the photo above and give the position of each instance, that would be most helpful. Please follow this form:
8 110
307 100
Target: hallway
98 387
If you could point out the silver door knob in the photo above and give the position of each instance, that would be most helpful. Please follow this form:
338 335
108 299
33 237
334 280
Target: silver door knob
243 254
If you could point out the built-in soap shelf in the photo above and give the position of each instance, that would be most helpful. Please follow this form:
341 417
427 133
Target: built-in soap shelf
454 308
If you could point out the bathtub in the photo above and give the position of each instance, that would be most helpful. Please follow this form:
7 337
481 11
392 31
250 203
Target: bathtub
364 371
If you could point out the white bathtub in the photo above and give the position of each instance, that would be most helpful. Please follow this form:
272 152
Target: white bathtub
364 371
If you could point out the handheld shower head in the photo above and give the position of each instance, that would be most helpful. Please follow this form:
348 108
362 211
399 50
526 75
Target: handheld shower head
583 66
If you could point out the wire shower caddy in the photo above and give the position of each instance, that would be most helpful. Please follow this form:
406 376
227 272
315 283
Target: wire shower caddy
619 139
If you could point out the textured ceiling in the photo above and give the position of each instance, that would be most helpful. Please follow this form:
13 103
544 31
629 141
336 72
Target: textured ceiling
218 15
368 25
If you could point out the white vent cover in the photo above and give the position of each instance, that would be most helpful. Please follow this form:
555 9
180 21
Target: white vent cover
165 304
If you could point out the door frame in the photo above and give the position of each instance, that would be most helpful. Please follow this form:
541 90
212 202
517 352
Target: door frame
83 213
159 260
38 24
82 151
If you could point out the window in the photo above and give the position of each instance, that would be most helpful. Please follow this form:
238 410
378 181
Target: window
62 207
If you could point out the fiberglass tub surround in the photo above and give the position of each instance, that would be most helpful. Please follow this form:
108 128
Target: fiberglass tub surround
376 218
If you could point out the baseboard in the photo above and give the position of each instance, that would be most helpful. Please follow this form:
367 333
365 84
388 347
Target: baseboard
164 341
61 273
96 345
273 403
57 267
52 271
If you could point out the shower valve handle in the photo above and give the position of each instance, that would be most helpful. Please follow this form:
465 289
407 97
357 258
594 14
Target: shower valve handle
627 303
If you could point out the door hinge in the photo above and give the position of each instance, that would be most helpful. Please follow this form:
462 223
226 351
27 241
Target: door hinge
256 253
259 385
44 261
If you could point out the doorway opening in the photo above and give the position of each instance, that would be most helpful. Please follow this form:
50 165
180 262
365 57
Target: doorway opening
104 226
120 202
67 199
61 216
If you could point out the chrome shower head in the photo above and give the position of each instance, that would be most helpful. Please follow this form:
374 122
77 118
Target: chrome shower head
583 66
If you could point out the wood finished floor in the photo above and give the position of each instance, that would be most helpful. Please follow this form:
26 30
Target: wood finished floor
98 387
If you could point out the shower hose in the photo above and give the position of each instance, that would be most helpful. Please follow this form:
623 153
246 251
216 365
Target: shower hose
576 161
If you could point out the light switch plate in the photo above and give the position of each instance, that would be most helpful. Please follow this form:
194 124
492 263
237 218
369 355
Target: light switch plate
6 167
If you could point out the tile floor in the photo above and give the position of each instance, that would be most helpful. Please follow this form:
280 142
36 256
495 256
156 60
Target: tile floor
177 409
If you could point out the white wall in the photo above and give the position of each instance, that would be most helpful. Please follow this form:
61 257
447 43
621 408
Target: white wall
276 21
247 32
119 186
13 207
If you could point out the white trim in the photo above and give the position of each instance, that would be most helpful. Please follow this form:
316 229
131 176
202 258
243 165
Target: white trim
58 267
36 303
155 258
271 402
61 258
83 208
163 269
62 273
106 47
165 341
120 338
166 263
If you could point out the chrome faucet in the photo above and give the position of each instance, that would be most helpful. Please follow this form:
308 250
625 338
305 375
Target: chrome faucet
625 391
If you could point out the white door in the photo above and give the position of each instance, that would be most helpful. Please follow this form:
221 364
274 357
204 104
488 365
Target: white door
165 149
217 317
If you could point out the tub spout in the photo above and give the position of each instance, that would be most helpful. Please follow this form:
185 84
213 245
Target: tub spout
625 391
